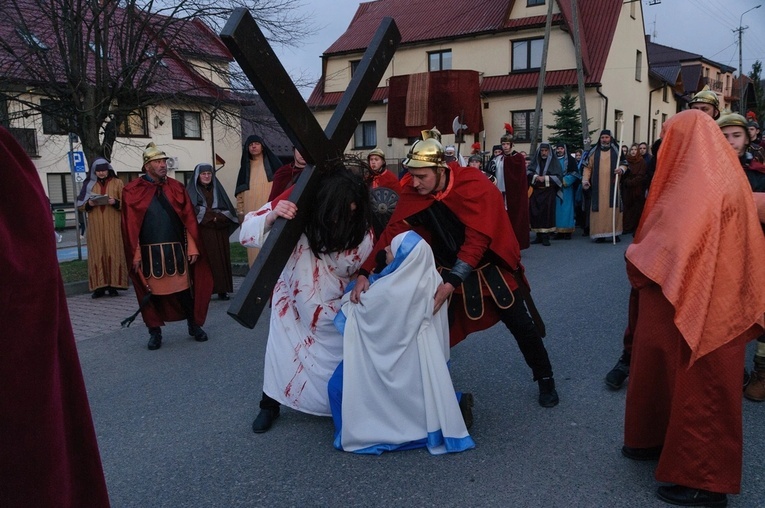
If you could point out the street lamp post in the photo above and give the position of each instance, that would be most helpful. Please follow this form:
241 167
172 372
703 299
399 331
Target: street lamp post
740 30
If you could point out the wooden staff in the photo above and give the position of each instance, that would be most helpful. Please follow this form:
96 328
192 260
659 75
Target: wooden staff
616 187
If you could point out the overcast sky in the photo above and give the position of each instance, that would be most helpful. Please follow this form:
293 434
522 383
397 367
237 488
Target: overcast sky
699 26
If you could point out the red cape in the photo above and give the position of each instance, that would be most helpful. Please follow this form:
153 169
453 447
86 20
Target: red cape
478 204
283 179
517 196
48 451
386 179
136 197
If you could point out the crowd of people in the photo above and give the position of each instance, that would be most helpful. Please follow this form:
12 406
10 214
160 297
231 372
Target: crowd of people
448 263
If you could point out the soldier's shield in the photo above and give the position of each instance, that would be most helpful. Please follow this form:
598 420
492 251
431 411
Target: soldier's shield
384 201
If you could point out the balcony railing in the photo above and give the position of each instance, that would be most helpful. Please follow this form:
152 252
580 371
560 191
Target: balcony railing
27 138
714 84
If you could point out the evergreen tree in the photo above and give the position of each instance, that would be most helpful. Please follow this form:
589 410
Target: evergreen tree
759 93
568 123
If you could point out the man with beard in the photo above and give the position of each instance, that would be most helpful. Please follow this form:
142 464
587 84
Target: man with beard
545 178
159 229
598 178
512 182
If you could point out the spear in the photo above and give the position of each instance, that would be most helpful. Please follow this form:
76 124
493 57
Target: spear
616 183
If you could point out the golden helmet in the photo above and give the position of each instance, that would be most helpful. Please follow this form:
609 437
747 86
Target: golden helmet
706 96
427 152
728 119
376 152
152 153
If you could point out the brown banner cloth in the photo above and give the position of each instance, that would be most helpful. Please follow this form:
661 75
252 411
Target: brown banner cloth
449 94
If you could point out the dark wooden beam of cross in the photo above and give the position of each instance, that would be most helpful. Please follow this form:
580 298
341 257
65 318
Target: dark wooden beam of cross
252 51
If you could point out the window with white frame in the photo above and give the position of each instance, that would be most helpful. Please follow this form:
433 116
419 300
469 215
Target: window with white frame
527 54
365 135
186 124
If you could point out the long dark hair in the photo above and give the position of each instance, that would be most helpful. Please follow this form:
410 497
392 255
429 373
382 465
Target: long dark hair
333 226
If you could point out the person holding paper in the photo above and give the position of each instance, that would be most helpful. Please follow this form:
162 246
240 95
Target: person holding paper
101 199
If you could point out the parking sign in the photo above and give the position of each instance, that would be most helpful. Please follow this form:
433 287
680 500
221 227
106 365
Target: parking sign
77 162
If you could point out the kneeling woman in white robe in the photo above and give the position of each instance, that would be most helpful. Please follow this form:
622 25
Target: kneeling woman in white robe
393 390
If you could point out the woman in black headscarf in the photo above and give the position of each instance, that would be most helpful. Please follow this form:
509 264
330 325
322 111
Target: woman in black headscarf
217 221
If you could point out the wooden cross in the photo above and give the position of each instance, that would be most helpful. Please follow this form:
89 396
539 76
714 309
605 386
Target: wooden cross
251 50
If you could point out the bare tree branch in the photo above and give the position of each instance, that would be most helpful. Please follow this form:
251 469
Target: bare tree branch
99 61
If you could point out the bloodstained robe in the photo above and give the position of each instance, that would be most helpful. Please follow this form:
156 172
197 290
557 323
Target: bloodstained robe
512 181
599 171
137 197
106 257
48 451
698 265
304 347
477 203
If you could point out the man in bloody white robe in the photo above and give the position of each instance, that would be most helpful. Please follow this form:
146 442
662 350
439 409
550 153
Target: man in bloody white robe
304 347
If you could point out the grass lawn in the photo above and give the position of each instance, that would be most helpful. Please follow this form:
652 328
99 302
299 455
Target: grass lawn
73 271
238 253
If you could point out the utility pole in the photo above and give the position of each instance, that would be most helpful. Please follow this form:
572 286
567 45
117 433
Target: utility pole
580 78
740 30
541 85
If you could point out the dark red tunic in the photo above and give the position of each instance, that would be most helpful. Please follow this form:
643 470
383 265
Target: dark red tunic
48 451
517 196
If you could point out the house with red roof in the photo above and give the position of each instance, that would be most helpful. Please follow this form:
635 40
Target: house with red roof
192 113
479 63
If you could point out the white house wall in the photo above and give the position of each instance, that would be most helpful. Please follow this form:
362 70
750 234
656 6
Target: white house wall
128 151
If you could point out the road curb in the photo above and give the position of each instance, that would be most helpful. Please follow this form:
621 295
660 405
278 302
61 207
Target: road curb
81 287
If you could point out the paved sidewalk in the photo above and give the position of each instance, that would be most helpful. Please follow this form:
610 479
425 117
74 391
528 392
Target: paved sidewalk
93 318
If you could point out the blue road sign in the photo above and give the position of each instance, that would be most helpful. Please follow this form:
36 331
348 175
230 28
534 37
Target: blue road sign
77 162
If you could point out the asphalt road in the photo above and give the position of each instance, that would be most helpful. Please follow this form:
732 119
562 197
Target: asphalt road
174 425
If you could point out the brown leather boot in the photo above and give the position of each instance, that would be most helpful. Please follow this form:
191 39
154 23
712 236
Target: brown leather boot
755 390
